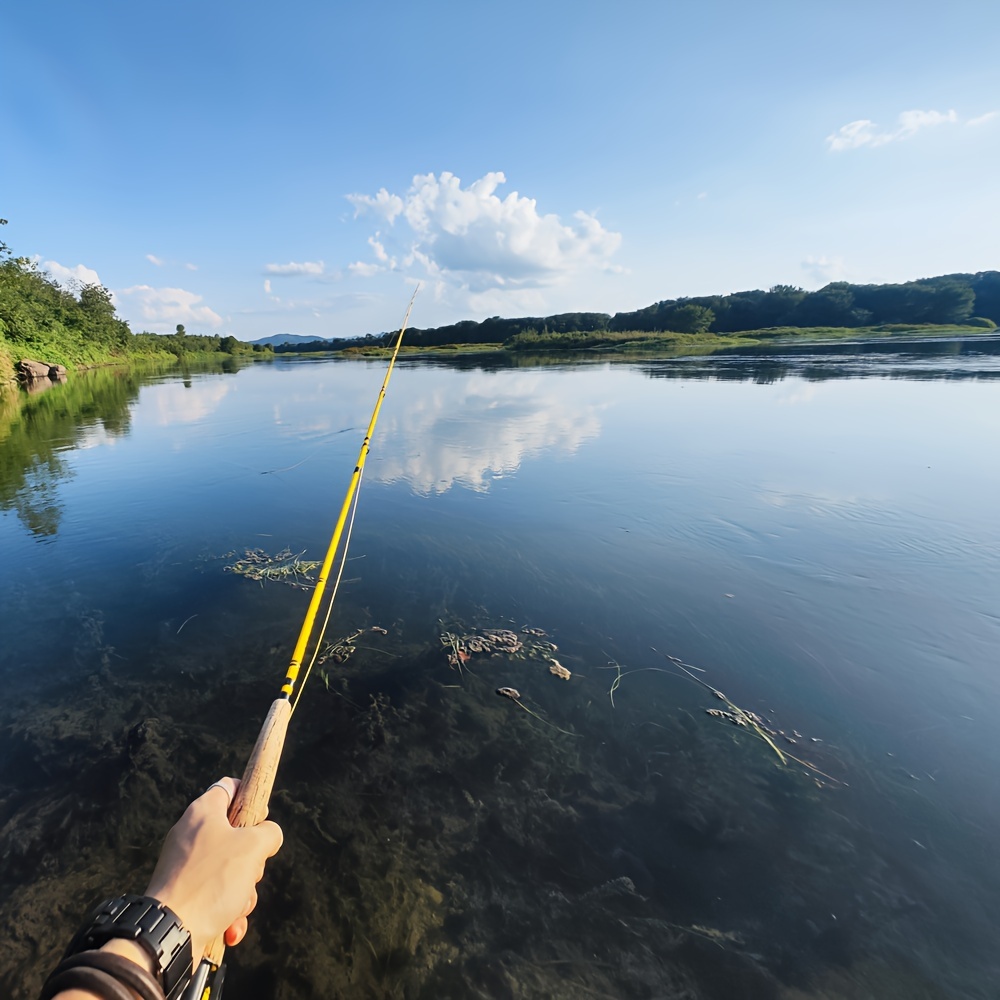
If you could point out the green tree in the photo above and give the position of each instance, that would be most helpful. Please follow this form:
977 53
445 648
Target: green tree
689 318
832 305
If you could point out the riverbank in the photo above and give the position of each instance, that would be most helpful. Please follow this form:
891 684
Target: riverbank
633 343
42 321
79 361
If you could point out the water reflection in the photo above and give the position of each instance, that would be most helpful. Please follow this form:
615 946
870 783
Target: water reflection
925 360
187 403
39 424
37 428
36 386
482 430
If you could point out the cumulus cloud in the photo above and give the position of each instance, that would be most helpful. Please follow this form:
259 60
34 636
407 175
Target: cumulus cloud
472 237
383 204
71 277
153 259
313 267
363 269
864 132
163 308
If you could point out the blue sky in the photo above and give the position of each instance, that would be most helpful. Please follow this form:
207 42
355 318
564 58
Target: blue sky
255 168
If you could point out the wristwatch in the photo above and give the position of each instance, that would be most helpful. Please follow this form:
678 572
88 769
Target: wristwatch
150 924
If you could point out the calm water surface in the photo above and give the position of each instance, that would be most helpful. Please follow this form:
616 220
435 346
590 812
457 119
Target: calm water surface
814 533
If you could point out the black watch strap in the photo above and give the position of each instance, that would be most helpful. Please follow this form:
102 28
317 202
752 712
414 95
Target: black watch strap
150 924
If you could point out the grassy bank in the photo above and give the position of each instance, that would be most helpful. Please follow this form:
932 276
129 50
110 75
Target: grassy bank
77 356
632 342
445 349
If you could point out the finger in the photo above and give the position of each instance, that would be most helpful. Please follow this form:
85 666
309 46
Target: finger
224 786
269 837
236 932
251 903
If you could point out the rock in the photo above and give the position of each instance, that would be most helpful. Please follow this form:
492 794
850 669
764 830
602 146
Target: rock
40 369
33 369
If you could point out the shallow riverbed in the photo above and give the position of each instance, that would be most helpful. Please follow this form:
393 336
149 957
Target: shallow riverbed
812 533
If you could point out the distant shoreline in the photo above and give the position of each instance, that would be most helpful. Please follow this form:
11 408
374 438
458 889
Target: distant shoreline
675 345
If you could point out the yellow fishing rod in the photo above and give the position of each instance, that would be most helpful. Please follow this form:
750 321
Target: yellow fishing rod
249 807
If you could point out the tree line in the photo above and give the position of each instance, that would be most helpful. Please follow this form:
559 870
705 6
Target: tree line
948 300
41 319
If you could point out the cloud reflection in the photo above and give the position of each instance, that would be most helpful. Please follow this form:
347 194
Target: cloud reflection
174 403
482 431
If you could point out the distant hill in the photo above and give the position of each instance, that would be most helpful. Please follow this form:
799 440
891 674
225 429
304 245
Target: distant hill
291 338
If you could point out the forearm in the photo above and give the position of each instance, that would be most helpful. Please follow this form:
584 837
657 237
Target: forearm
126 949
203 889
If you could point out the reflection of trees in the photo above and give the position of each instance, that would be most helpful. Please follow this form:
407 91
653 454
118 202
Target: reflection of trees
36 429
820 362
765 364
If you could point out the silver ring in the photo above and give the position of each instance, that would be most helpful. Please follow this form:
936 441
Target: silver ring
225 788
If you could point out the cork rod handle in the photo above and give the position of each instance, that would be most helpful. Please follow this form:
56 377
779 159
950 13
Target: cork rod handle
250 805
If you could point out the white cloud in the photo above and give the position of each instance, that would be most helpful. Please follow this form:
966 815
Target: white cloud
384 204
864 132
983 119
163 308
160 262
267 285
363 269
314 267
472 238
380 252
71 277
823 270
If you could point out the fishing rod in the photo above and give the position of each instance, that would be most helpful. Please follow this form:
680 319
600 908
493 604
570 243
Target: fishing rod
249 806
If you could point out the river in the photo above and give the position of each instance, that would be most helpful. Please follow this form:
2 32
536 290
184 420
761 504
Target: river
810 532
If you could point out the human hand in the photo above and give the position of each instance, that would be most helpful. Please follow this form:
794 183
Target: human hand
208 870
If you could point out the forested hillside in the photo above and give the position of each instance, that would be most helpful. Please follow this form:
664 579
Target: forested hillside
40 319
948 300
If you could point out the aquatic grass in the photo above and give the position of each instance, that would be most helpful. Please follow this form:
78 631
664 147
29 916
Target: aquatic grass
284 567
515 696
740 717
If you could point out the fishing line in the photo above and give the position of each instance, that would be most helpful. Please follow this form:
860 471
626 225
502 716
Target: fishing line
308 624
333 597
